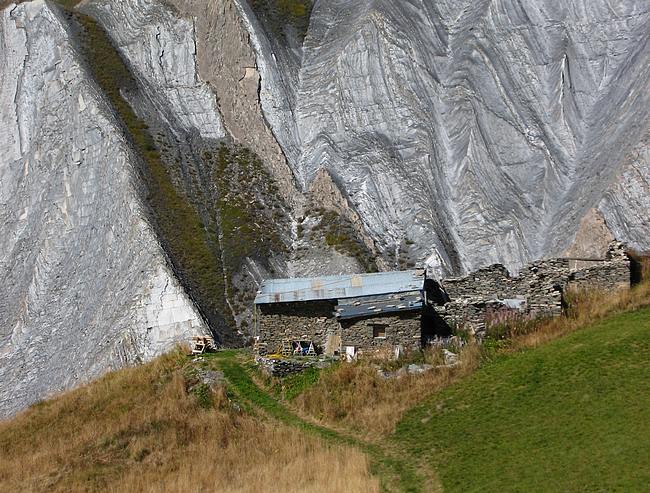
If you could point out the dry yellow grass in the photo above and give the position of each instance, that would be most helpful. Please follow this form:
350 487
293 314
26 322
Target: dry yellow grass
356 397
139 430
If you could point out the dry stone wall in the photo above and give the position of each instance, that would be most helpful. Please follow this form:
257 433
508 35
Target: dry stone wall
313 321
282 367
538 290
612 274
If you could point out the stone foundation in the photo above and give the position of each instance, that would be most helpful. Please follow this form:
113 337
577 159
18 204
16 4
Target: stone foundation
282 367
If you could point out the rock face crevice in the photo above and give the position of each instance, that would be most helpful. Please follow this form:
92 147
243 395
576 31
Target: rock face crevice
227 61
160 49
84 283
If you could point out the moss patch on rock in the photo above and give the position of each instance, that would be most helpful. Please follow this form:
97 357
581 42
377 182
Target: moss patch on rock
280 14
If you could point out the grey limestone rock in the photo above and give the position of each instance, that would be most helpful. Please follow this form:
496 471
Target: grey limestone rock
449 357
84 284
227 40
160 48
476 133
625 205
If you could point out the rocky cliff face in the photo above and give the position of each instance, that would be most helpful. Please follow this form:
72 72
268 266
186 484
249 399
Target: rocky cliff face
267 138
481 131
84 283
461 135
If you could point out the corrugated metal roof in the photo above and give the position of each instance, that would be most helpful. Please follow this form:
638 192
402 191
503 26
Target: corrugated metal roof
377 305
339 287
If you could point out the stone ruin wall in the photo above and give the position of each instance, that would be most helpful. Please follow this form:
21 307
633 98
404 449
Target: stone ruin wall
613 274
538 290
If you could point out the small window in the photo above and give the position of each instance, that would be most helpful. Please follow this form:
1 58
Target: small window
379 331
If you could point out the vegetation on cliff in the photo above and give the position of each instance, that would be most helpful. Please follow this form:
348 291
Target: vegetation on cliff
208 231
335 231
252 218
280 14
191 245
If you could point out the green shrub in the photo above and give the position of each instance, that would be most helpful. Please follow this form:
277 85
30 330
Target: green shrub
252 215
339 234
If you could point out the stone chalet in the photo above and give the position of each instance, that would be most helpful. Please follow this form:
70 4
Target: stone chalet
342 314
361 313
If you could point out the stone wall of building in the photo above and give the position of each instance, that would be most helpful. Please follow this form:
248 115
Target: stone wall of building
399 329
315 321
538 290
312 321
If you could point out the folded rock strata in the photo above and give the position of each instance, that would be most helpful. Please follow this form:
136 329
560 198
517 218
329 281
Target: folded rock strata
483 132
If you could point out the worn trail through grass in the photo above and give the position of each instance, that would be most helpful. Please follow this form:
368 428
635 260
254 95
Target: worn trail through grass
396 472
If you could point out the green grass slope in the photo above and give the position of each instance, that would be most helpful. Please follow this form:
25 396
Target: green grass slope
572 415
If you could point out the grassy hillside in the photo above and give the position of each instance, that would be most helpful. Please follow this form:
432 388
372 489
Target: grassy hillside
572 415
159 428
564 408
